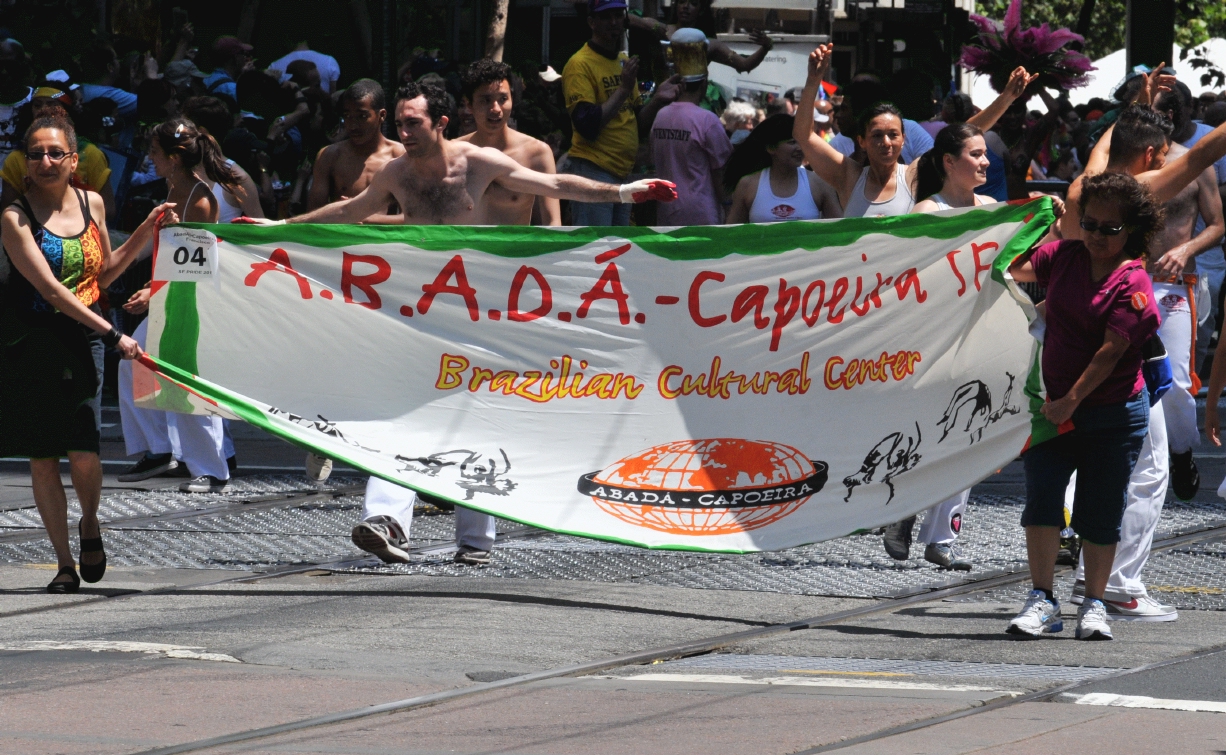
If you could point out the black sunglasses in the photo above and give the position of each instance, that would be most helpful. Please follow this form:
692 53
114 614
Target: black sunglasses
1092 226
56 155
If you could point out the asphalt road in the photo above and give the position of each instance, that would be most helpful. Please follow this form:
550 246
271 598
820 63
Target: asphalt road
172 656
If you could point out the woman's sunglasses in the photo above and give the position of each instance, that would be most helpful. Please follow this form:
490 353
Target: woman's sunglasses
56 155
1093 226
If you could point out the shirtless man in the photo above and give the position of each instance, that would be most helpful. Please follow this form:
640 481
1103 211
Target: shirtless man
1138 145
440 182
487 85
345 169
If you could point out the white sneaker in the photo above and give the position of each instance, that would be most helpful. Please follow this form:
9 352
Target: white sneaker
318 468
1038 616
1143 608
1092 621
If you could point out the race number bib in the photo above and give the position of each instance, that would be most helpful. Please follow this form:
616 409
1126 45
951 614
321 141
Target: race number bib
187 254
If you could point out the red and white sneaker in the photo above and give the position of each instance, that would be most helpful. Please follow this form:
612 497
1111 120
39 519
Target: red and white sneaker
1143 608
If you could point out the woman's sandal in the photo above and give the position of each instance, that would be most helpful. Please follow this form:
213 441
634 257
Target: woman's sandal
90 546
61 587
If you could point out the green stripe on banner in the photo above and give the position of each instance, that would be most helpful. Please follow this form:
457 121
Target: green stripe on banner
687 243
1041 428
180 336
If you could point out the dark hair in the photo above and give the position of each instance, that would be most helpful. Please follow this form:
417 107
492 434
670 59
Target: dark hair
57 122
1137 129
151 98
876 111
1176 104
957 108
951 140
1143 215
211 114
482 72
298 70
750 156
1215 114
364 89
437 104
179 136
96 61
1132 86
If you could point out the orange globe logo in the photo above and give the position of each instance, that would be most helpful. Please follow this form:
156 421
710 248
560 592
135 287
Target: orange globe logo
715 486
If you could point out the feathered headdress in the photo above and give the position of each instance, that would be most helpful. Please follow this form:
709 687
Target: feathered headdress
999 48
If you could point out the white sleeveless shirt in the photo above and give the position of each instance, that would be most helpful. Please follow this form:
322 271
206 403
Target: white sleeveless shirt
768 208
858 206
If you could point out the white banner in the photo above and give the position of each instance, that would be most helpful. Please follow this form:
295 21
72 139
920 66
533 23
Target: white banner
733 388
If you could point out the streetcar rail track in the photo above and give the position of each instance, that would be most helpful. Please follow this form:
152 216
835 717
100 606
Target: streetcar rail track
707 645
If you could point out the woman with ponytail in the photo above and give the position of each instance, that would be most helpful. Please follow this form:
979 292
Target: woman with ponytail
946 177
949 173
180 153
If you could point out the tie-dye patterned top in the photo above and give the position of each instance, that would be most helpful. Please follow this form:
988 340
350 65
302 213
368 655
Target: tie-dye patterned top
75 261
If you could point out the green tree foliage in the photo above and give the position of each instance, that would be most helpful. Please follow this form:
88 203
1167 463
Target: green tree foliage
1195 20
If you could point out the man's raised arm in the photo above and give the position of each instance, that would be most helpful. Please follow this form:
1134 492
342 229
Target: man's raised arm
516 177
1171 178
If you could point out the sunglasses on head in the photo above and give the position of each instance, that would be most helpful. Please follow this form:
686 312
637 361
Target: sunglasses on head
56 155
1093 226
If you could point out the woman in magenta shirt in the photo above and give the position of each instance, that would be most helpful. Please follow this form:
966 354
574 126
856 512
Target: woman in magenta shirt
1100 312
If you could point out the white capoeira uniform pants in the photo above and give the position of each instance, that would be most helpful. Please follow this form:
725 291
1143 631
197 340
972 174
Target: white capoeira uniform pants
1146 494
943 522
472 528
200 442
1177 305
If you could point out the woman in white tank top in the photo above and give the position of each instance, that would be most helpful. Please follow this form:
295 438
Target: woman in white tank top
947 176
771 184
883 186
949 173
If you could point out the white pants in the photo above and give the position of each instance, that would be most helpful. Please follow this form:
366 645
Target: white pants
472 528
199 441
1146 494
1211 265
943 522
1176 330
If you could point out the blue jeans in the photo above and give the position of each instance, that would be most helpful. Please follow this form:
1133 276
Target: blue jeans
596 213
1102 448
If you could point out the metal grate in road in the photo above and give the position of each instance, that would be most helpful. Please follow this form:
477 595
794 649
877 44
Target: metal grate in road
317 532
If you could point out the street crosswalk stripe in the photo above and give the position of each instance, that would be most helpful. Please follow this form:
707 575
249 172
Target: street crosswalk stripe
793 681
1155 703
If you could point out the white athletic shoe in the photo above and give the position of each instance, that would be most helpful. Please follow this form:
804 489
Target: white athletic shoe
1038 616
1092 621
1143 608
318 468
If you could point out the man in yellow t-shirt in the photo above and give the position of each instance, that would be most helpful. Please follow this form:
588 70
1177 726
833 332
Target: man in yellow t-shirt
602 96
93 171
